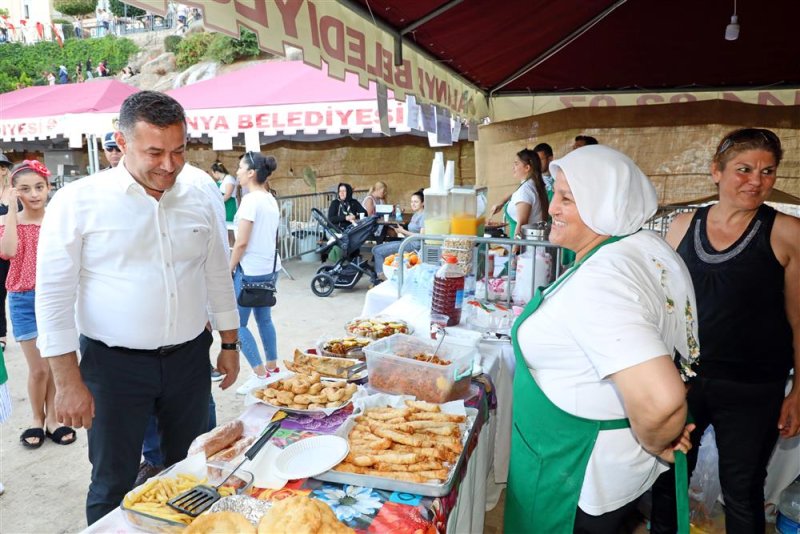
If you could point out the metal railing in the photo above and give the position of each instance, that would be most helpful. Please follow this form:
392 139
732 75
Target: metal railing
663 218
481 251
299 233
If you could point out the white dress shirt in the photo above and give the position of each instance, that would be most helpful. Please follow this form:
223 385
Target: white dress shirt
200 179
119 267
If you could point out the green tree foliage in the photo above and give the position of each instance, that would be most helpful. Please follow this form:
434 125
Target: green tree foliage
171 43
75 8
118 8
17 59
246 45
221 49
217 47
192 49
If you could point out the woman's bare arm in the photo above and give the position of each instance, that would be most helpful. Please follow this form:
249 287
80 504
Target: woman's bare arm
655 402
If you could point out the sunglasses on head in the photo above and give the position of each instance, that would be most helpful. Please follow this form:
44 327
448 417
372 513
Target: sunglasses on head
252 161
749 134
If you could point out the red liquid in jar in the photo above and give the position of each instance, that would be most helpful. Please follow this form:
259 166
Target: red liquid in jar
448 295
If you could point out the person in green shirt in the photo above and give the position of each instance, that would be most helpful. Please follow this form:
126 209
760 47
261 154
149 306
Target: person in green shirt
229 188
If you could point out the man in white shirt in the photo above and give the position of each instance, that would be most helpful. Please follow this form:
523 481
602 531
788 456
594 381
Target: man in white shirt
153 462
132 260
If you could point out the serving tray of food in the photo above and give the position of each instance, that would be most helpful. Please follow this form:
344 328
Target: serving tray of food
329 368
306 394
343 347
416 447
377 327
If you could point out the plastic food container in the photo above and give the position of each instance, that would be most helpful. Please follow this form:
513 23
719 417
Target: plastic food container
242 481
392 368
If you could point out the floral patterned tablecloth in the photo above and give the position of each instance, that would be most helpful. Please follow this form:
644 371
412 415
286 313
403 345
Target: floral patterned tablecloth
374 510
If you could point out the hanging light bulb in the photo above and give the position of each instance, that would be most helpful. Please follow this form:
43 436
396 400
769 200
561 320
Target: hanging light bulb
732 29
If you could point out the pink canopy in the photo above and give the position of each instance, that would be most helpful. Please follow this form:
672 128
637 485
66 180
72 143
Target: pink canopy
268 84
277 98
43 101
45 112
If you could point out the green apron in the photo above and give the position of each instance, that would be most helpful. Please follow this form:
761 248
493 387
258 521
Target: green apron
230 209
550 448
512 224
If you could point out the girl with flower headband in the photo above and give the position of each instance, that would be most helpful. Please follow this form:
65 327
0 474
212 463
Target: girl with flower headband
19 238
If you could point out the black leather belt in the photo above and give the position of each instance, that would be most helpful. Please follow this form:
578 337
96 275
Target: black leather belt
166 350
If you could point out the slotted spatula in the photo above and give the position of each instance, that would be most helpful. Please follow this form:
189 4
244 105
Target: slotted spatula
197 500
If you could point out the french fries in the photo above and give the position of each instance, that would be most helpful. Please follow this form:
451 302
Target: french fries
418 443
151 498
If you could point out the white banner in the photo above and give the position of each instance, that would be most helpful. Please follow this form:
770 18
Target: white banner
325 118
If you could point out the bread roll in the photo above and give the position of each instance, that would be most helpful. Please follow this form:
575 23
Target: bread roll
301 515
232 452
217 439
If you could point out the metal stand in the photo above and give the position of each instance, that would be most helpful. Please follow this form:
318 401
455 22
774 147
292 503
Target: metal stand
479 242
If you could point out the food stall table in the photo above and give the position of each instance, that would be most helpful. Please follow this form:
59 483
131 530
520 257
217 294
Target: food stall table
374 509
496 361
378 298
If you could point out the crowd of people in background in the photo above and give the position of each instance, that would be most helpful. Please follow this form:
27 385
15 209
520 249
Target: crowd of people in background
61 74
178 17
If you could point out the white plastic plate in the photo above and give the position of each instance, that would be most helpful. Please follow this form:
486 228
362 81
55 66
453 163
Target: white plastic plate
311 456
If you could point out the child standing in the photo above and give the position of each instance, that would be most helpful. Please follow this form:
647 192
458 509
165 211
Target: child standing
19 238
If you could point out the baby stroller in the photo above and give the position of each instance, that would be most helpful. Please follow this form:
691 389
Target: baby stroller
346 272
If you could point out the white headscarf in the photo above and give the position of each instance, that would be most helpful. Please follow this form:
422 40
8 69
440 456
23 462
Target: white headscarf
613 196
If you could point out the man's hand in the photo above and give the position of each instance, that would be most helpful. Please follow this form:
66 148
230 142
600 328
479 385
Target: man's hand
789 421
74 404
228 365
682 443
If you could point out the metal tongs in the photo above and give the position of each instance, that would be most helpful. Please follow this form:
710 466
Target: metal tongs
439 330
355 369
197 500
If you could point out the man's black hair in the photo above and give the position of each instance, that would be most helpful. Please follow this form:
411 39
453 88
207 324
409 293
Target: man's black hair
151 107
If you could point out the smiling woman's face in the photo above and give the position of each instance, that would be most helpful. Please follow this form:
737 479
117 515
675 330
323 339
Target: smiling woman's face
568 229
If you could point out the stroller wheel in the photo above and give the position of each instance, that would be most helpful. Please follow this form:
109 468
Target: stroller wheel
322 285
325 269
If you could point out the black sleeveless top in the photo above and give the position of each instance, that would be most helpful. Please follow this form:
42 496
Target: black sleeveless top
744 332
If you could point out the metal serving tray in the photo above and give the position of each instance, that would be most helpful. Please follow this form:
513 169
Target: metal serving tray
426 489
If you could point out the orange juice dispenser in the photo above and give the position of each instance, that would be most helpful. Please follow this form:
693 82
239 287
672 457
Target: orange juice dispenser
437 215
482 198
463 211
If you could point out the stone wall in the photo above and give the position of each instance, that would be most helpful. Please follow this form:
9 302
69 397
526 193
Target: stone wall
402 162
673 144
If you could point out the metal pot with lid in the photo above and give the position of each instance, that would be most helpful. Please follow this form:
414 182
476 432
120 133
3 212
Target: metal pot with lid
537 231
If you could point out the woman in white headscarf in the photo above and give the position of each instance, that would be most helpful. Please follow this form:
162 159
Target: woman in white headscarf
599 405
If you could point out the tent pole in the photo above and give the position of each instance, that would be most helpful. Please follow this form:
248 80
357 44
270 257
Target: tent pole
94 163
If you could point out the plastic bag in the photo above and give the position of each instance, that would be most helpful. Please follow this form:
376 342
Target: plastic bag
526 263
418 282
704 488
